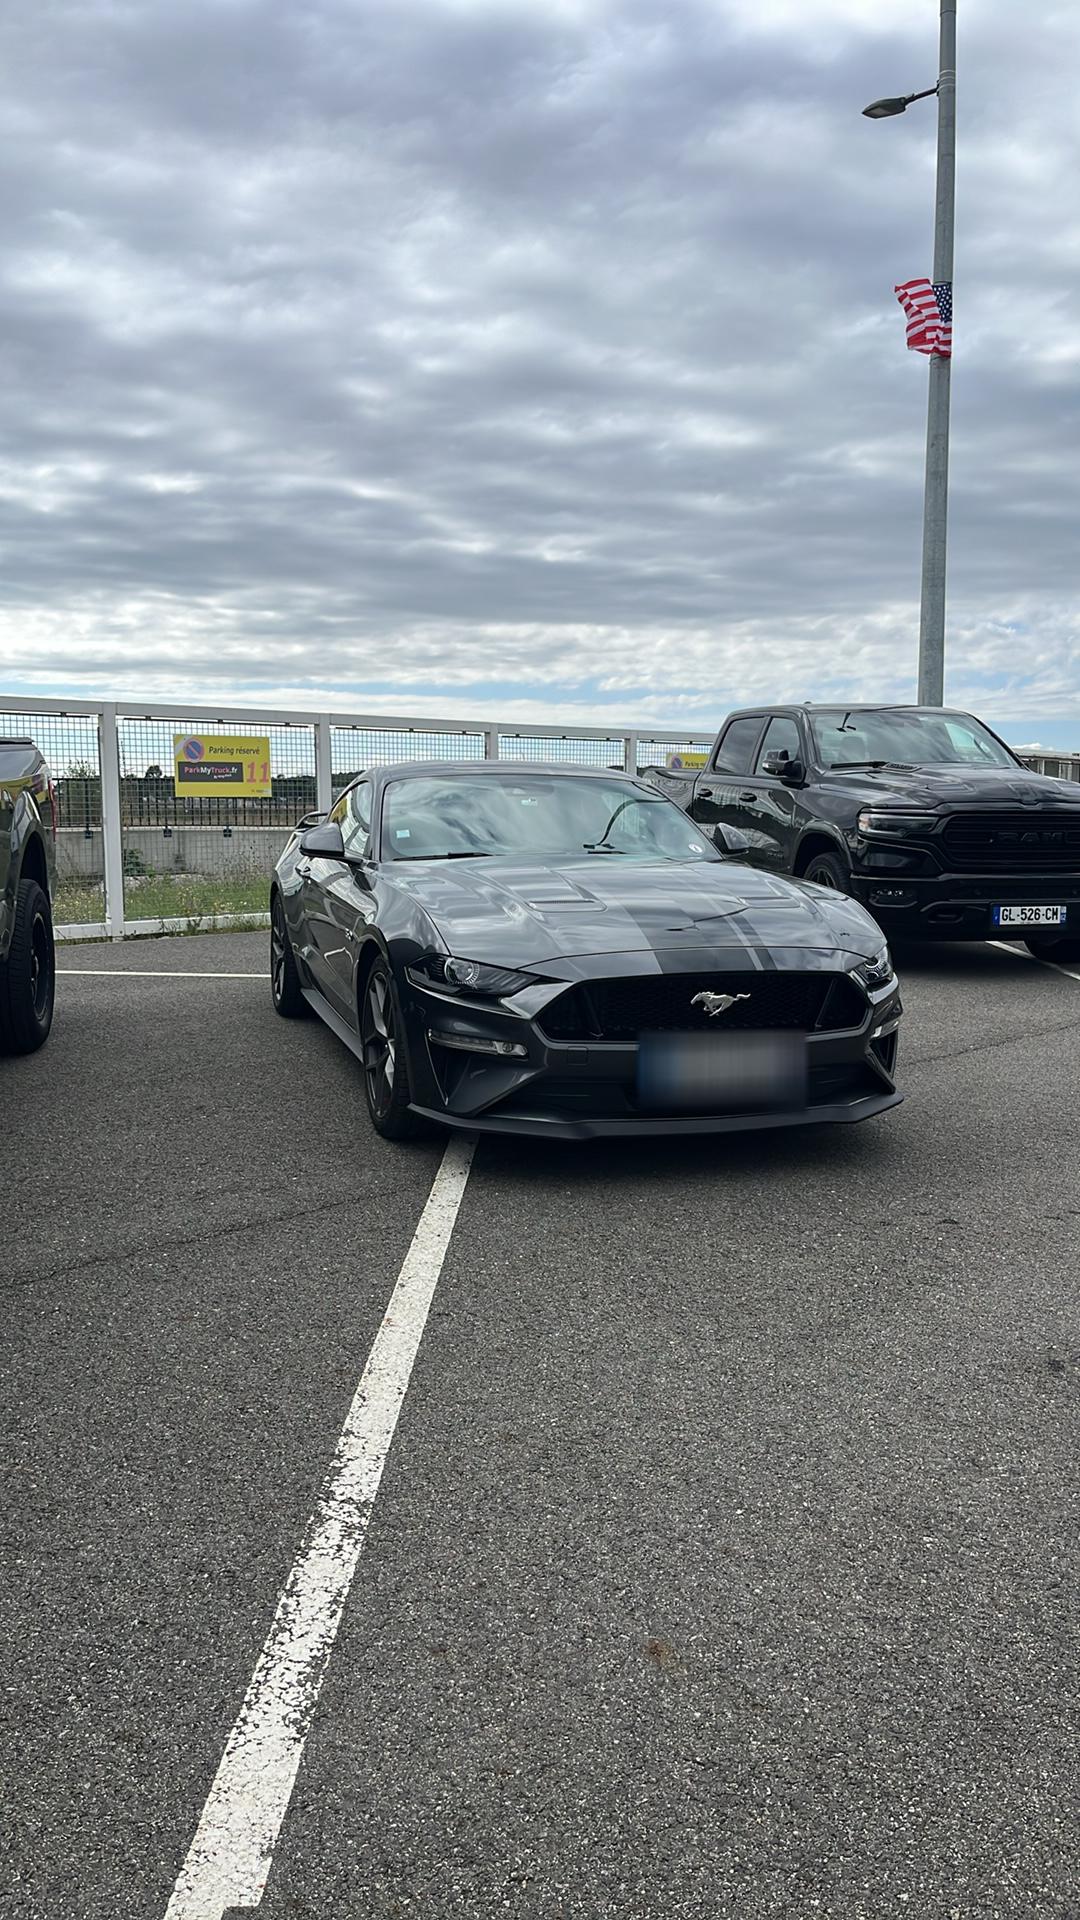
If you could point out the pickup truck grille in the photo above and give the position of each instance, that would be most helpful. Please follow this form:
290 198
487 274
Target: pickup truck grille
1022 838
662 1003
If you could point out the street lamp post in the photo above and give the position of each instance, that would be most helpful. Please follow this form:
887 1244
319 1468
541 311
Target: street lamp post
936 493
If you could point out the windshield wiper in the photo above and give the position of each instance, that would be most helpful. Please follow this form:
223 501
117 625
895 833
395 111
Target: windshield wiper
599 847
898 766
463 854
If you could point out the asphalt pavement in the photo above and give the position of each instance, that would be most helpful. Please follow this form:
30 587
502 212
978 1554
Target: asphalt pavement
726 1556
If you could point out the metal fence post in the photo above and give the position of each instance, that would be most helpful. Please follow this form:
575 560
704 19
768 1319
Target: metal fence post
630 743
491 743
324 768
111 837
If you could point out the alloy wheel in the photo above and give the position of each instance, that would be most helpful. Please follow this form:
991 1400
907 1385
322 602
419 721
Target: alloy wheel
277 951
379 1039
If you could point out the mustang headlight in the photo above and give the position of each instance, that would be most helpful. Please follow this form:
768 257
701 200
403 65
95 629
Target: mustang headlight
875 973
452 975
900 826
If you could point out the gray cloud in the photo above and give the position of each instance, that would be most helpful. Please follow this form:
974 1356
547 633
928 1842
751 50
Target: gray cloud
499 356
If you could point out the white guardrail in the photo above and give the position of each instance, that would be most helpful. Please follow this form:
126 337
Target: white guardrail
134 857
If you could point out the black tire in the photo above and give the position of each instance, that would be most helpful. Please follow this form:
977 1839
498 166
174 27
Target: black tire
1065 953
385 1058
28 976
827 870
285 988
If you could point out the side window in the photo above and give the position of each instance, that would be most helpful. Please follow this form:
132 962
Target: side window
781 736
736 749
356 826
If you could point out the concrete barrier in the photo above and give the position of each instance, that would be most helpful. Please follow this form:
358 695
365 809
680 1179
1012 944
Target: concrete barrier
243 851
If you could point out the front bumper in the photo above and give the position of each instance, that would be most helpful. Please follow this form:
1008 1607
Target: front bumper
578 1091
950 906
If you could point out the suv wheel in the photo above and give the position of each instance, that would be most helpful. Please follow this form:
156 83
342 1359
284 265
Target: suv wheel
827 870
28 977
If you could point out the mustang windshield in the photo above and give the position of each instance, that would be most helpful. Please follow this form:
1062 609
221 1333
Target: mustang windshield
890 737
533 817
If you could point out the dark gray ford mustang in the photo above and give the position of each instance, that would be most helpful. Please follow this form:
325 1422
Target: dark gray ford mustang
544 950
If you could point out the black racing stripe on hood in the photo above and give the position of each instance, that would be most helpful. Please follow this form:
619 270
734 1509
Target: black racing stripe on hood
756 953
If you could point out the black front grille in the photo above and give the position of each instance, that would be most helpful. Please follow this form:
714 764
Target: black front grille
1023 838
580 1098
663 1003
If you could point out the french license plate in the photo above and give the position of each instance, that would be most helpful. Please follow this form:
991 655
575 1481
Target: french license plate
1030 916
721 1073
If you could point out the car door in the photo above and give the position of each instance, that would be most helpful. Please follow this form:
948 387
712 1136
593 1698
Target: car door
770 807
324 881
314 872
718 790
348 899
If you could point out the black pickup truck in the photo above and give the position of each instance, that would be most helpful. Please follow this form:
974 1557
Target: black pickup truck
27 864
922 814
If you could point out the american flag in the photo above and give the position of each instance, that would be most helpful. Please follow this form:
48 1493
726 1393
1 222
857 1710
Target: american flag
929 316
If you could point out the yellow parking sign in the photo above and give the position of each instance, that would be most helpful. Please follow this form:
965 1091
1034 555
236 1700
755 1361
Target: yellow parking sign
686 762
233 765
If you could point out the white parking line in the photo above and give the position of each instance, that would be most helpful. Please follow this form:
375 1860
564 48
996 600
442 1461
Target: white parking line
229 1859
159 973
1022 953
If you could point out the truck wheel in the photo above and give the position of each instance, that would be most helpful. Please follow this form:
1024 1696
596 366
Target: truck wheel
28 976
827 870
1063 953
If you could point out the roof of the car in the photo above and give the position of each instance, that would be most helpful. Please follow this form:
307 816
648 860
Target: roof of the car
402 769
832 706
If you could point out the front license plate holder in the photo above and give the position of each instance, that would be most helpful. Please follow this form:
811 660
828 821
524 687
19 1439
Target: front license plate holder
1018 916
722 1072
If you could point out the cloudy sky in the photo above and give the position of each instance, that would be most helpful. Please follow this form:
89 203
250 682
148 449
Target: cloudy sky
530 357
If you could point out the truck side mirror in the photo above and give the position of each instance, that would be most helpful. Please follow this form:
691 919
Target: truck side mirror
779 767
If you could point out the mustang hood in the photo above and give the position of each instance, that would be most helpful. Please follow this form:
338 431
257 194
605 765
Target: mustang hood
516 914
940 789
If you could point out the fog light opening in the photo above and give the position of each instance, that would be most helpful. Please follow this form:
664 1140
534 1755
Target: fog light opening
470 1043
891 896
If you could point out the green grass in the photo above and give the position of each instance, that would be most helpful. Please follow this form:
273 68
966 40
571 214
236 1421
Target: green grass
166 896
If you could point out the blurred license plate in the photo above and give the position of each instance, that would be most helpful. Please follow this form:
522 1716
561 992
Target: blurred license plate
1029 916
721 1072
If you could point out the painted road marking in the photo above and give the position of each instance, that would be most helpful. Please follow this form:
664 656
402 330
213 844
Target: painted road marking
158 973
1023 954
229 1859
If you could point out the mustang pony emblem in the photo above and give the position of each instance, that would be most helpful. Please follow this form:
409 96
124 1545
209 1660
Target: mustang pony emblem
715 1003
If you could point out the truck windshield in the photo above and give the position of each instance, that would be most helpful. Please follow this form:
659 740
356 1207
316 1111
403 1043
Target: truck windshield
894 737
533 817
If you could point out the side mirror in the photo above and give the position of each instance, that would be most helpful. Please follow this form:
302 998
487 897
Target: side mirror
730 841
779 767
324 842
309 820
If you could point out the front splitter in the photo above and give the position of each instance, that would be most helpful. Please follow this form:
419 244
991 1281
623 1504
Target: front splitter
554 1127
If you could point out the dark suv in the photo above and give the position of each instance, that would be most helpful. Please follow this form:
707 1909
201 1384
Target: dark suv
28 821
922 814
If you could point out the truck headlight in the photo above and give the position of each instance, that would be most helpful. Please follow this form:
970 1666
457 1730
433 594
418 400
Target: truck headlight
873 821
